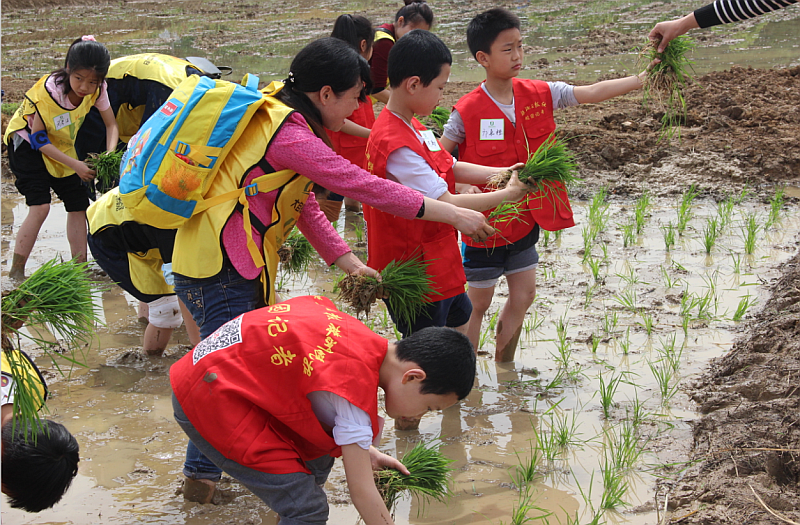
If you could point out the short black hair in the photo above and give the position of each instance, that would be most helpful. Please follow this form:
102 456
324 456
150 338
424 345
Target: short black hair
484 29
446 356
415 12
39 463
417 54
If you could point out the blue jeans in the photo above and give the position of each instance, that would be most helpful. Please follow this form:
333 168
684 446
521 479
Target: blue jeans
214 301
298 498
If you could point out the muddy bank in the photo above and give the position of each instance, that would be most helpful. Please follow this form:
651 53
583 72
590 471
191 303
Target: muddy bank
748 441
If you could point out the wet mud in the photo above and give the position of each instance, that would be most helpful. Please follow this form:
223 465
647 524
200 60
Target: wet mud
727 426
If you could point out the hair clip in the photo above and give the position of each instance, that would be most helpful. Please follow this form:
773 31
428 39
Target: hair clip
88 37
291 77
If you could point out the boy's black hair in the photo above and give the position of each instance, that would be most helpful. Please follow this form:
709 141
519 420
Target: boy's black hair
446 356
483 30
38 464
353 29
83 54
418 54
415 12
324 62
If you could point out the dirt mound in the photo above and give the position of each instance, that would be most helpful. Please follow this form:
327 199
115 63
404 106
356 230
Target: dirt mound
749 439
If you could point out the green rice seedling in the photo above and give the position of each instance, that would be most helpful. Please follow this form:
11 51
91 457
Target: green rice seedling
710 234
625 344
604 249
628 234
527 469
564 429
397 334
685 208
745 303
725 212
631 277
775 207
667 279
610 321
668 231
749 233
607 391
588 294
557 235
484 336
359 231
595 343
546 239
614 485
636 414
588 240
669 352
640 211
736 262
406 283
523 505
685 323
106 168
59 298
429 477
627 299
507 212
563 345
664 376
623 447
296 253
746 191
493 320
594 266
437 119
648 322
666 80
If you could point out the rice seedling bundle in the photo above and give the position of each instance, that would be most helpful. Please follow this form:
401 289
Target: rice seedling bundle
549 170
438 118
106 168
405 284
666 80
428 479
296 253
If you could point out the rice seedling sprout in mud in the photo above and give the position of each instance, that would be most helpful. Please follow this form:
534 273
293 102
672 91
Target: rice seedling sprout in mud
623 446
614 484
527 468
595 343
106 168
359 231
745 303
749 233
296 253
664 375
438 118
725 212
625 344
775 207
610 321
669 352
607 390
594 266
648 322
628 233
588 294
429 477
710 234
631 276
736 262
663 88
685 208
627 299
59 297
406 285
668 231
641 211
546 239
669 281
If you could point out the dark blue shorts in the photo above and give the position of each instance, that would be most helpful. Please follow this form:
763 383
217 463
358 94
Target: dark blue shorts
484 266
452 312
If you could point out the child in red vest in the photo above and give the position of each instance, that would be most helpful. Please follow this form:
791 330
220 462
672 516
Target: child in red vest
275 394
498 124
401 149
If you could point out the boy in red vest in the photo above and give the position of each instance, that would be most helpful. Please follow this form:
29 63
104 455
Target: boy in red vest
498 124
275 394
400 148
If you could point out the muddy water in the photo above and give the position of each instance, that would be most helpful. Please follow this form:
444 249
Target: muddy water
132 450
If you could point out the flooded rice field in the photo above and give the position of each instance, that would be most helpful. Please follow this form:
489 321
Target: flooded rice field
632 303
620 323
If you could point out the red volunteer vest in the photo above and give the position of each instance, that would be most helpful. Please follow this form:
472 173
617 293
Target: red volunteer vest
535 123
391 238
351 147
245 386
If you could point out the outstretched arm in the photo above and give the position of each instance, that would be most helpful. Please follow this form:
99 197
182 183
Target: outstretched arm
358 466
665 32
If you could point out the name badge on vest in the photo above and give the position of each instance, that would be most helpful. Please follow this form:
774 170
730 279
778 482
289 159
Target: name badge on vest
492 129
62 121
430 140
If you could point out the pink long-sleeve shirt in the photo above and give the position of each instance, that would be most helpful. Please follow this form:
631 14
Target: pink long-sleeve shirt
296 148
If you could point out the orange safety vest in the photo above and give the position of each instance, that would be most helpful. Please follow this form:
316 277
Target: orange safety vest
245 387
535 123
391 238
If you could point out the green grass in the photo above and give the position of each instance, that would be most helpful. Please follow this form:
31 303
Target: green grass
607 390
641 211
775 207
710 234
685 211
9 108
429 477
628 233
750 231
745 303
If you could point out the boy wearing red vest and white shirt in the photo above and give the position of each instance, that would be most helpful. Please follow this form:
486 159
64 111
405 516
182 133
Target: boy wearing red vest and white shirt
275 394
500 123
401 149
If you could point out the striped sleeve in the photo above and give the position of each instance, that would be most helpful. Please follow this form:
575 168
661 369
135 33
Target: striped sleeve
727 11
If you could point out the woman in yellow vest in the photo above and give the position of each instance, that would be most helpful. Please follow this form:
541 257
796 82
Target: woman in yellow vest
41 145
39 462
216 275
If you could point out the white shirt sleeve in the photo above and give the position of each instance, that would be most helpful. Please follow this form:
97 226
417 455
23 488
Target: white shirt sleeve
351 425
454 128
409 169
563 95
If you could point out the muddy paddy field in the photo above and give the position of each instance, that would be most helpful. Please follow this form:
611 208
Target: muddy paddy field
648 378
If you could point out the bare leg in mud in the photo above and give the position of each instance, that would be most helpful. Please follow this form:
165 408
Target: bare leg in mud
26 238
76 235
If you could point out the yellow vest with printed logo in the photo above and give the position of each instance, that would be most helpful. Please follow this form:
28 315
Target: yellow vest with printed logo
61 124
145 268
27 377
198 243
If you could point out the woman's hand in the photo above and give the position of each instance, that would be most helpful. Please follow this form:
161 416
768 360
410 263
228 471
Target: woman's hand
83 171
381 461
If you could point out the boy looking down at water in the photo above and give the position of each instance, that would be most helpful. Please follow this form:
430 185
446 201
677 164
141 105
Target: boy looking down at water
401 149
275 394
500 123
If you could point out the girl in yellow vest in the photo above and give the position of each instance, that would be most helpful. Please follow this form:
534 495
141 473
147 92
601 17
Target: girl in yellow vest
41 145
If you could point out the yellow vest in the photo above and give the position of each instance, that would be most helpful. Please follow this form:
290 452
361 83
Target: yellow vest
164 69
27 377
61 124
198 248
145 268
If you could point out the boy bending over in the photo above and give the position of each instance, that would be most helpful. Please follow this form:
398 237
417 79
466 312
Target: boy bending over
275 394
500 123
